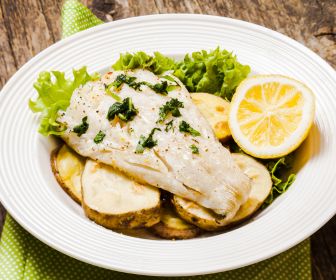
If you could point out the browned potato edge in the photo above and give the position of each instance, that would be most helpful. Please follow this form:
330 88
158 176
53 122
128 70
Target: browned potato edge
53 163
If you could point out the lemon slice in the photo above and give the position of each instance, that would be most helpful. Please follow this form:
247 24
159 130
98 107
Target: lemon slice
271 115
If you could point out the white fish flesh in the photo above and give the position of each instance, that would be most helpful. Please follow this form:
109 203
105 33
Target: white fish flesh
192 165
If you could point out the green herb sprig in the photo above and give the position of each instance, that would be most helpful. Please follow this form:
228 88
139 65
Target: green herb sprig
99 137
124 110
172 106
81 128
129 80
112 94
146 142
280 183
194 149
169 126
185 127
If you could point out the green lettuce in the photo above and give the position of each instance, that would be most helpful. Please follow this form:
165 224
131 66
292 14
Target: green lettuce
54 94
216 71
156 64
281 180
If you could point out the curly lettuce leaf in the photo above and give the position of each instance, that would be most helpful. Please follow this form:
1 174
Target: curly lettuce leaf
278 170
217 72
156 64
54 94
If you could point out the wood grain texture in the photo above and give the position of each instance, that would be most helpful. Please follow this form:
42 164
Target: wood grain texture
29 26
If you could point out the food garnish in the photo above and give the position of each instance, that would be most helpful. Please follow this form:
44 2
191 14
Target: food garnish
169 126
124 111
172 106
146 142
271 115
140 60
194 149
185 127
109 92
124 79
216 71
99 137
281 183
81 128
54 95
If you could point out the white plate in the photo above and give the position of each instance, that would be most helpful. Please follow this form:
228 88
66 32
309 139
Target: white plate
30 193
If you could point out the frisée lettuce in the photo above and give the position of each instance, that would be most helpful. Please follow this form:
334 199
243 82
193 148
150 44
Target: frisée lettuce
278 168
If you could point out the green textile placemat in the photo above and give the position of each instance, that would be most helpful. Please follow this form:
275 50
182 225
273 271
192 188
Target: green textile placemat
24 257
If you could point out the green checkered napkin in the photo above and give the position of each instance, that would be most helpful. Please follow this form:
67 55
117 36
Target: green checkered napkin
24 257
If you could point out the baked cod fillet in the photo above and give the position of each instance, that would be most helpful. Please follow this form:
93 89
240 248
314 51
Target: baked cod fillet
149 128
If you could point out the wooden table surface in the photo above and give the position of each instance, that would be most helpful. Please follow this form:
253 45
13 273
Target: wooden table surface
29 26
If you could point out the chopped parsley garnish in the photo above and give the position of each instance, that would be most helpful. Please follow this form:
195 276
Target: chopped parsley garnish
172 106
81 128
169 126
124 111
146 142
122 78
185 127
130 81
109 92
135 85
161 88
99 137
194 149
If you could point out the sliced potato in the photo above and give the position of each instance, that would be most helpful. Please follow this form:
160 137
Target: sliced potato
261 184
115 201
216 110
173 227
198 215
67 167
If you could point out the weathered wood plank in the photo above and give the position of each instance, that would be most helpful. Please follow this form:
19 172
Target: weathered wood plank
183 6
51 10
7 60
28 31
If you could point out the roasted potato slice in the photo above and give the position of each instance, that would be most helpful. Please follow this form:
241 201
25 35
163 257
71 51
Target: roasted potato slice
216 110
113 200
261 184
67 167
172 226
198 215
